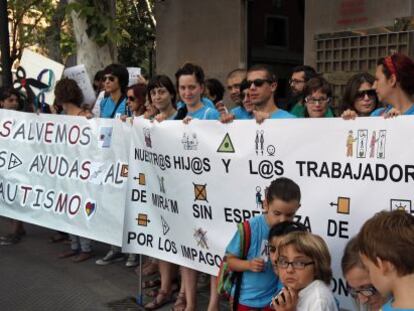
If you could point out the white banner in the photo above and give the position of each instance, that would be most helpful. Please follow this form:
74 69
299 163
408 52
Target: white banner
190 184
64 173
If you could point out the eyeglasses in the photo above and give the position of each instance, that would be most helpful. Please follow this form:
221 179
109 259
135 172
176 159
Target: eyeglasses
367 291
110 78
370 93
322 101
132 98
257 82
294 81
296 264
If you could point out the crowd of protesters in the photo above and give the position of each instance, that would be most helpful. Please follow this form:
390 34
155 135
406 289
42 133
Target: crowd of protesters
378 263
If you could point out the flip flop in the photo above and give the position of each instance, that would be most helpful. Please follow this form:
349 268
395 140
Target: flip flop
175 287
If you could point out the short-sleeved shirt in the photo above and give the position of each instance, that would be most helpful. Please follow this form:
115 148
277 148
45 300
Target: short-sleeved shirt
204 113
108 106
388 307
205 101
241 114
380 111
257 288
281 114
317 296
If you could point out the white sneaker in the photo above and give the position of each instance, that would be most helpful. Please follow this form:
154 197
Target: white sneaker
132 260
110 257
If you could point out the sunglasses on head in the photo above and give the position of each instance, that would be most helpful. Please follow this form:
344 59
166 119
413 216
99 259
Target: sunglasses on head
370 93
110 78
257 82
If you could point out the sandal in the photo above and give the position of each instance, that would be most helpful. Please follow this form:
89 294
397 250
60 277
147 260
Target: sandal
151 283
175 287
180 302
161 299
68 254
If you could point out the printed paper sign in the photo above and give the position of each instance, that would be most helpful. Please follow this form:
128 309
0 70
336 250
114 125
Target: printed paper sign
79 74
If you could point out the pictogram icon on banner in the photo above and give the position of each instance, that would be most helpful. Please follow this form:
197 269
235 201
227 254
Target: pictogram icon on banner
14 162
403 205
200 192
142 220
226 145
141 179
124 170
105 137
165 226
200 236
343 205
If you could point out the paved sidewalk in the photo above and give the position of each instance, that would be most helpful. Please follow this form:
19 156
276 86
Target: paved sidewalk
32 278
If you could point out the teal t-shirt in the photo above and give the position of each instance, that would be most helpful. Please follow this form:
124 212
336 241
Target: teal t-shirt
380 111
241 114
388 307
204 113
281 114
257 288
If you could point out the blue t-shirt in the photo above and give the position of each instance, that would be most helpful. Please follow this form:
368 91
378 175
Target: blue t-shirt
380 111
206 102
257 288
204 113
108 106
241 114
388 307
282 114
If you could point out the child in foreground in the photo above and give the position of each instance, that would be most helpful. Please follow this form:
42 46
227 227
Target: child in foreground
386 246
304 268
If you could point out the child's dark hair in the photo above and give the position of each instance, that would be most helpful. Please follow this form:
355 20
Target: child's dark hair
286 227
284 189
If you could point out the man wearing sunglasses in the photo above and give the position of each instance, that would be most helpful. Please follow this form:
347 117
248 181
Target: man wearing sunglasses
262 85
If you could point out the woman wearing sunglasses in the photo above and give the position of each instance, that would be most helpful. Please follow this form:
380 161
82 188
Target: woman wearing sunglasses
318 96
359 95
359 285
136 99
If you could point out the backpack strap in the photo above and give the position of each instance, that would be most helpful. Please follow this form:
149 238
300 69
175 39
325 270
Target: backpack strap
245 239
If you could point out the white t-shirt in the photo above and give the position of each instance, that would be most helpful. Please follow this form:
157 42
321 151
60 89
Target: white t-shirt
316 297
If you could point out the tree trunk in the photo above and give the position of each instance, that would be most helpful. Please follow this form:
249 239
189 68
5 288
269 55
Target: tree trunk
53 32
93 56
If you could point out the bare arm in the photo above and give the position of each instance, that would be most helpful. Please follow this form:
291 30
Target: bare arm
241 265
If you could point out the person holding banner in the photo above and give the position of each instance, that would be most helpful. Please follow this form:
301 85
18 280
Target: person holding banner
360 287
10 100
359 95
161 94
318 96
136 96
259 282
262 84
190 85
115 79
69 97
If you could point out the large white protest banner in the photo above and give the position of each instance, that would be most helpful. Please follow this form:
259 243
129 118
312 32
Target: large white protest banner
64 173
190 184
